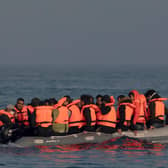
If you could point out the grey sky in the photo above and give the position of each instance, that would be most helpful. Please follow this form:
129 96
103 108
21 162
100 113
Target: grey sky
83 31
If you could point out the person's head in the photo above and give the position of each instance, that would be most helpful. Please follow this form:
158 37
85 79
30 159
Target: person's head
134 94
85 100
10 108
46 102
35 102
150 94
99 100
131 95
67 101
120 97
52 101
20 103
106 99
91 99
41 103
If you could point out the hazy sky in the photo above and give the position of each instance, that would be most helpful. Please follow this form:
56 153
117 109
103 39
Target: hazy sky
83 31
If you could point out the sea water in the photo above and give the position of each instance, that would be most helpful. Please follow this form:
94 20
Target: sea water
46 81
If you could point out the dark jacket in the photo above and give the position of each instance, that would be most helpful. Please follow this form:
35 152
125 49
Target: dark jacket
121 119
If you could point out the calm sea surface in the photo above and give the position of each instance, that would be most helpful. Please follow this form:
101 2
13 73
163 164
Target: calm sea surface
52 81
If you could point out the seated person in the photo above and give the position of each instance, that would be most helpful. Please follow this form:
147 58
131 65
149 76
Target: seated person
156 109
61 116
42 120
88 114
106 117
7 122
125 114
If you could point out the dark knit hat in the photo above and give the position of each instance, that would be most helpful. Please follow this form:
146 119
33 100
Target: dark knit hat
150 93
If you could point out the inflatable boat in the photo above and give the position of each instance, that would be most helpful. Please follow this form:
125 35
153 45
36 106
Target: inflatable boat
157 135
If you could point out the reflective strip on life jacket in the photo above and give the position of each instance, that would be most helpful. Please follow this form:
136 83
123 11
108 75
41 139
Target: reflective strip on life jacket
44 116
108 119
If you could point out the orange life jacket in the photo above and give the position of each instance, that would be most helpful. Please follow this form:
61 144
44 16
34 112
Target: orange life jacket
95 107
112 100
74 102
55 106
63 115
108 119
61 101
93 115
158 99
159 107
140 110
11 117
75 118
43 116
30 108
142 116
129 112
1 123
136 102
22 116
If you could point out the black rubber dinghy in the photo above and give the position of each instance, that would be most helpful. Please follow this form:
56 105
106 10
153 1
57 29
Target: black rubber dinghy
157 135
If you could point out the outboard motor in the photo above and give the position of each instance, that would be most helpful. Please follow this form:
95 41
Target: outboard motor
5 134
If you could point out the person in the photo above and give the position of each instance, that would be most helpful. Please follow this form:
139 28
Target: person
99 100
91 99
46 102
150 94
106 118
34 103
22 116
112 100
140 114
125 114
7 116
52 101
156 109
61 116
7 123
42 120
88 114
63 101
31 108
75 116
93 105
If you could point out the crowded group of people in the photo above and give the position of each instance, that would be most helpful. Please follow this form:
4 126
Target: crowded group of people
50 117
